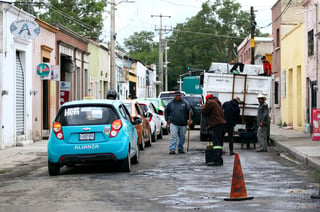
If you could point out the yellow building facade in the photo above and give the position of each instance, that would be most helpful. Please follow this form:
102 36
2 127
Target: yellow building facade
293 80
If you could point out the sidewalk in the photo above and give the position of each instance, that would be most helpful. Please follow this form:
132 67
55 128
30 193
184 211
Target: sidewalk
22 156
297 144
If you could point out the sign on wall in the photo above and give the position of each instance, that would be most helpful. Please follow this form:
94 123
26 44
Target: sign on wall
43 69
48 72
25 29
65 88
316 124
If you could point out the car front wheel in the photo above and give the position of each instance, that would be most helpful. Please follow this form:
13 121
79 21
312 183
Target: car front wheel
135 159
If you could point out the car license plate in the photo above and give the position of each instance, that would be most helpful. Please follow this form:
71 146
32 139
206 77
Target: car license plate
86 136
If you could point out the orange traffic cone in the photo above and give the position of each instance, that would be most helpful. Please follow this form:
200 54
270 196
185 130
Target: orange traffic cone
238 187
316 196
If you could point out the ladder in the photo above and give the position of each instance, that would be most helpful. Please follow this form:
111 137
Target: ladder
244 92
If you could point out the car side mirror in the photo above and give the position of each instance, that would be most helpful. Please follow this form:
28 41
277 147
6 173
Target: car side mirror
148 114
137 120
160 112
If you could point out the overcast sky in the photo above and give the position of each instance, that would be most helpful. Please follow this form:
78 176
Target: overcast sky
135 17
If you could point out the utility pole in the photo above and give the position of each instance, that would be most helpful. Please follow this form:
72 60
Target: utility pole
160 50
166 65
113 37
253 27
113 74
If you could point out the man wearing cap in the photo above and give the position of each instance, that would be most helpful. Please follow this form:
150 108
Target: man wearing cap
266 67
213 110
178 116
231 111
263 123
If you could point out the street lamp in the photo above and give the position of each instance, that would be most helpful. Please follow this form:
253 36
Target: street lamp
113 75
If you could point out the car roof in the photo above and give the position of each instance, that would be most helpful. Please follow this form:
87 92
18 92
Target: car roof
170 92
129 101
93 101
149 98
144 101
193 95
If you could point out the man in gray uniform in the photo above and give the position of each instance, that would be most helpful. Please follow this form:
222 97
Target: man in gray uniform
263 123
177 114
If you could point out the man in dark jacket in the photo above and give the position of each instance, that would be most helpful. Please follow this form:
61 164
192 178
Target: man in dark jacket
177 115
213 110
231 111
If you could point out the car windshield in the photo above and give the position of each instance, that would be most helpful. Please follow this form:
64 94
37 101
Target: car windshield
155 102
193 100
144 107
166 101
86 115
167 95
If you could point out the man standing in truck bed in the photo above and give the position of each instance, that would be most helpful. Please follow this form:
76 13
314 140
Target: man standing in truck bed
266 67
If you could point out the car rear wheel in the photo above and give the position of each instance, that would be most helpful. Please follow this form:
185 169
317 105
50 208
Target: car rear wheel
126 163
166 130
154 137
148 143
160 134
53 168
143 144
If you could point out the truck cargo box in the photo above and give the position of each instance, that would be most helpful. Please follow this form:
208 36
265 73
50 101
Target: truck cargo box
246 85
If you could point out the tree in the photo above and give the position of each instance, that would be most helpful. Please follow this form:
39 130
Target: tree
142 47
210 36
81 16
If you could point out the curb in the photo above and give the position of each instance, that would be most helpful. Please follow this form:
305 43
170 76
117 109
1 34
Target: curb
303 158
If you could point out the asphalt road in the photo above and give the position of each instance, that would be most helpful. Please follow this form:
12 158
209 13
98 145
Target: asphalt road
163 182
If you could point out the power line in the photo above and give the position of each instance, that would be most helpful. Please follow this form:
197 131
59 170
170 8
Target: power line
56 10
160 48
208 34
283 11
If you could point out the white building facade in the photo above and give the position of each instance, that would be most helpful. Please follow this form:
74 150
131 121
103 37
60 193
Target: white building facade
15 77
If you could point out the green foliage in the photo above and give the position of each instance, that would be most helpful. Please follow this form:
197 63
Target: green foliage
27 6
210 36
82 16
142 47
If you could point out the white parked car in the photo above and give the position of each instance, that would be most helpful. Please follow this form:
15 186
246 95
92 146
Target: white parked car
159 105
154 119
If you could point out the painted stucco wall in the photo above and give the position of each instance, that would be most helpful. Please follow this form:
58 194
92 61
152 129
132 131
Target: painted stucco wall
293 108
10 45
46 39
93 48
104 68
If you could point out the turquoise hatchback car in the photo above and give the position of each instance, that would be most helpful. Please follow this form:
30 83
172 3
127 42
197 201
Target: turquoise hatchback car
87 131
